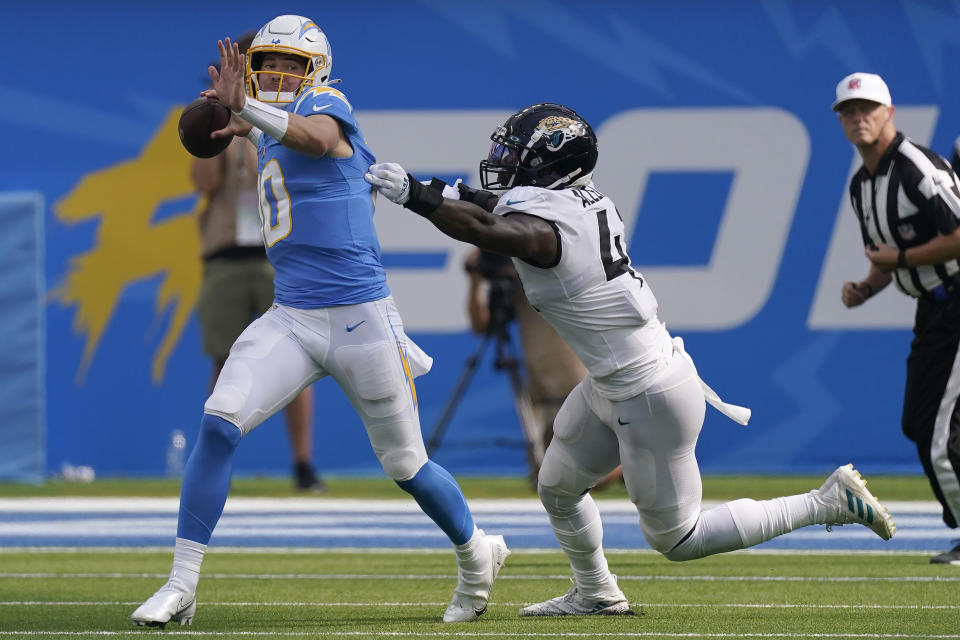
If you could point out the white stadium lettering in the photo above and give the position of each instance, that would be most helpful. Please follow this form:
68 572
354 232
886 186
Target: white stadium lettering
751 237
745 259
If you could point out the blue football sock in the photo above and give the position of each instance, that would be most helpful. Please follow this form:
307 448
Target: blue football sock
206 479
440 497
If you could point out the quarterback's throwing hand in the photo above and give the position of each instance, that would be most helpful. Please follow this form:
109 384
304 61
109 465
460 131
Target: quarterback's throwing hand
392 181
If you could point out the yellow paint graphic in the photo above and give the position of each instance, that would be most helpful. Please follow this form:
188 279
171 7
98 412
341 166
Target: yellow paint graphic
128 248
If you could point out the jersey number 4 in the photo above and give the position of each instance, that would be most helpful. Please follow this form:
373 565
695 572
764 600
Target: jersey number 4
274 199
609 243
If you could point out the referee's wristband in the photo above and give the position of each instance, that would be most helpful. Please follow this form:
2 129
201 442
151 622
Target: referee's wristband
902 259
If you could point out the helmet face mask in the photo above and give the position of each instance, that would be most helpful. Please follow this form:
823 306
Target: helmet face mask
276 84
545 145
500 168
288 36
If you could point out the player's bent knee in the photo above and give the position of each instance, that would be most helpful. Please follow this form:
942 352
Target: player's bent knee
558 477
230 394
665 532
668 547
686 549
556 501
676 555
214 428
402 464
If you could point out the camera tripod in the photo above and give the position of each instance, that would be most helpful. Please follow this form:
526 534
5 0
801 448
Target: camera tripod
505 360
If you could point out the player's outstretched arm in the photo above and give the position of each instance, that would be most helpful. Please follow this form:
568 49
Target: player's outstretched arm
316 136
516 235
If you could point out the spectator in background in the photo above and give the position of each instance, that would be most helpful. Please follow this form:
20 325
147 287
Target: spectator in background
237 283
907 200
552 368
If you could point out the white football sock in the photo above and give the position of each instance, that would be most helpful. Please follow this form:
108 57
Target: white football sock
473 554
576 524
187 556
761 520
744 523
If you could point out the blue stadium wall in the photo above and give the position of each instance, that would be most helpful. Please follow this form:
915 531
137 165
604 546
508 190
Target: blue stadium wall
717 142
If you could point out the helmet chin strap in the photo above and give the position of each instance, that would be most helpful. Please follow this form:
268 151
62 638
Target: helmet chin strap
583 181
563 180
276 96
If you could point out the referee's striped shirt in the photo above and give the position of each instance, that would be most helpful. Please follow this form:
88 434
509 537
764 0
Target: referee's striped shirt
913 197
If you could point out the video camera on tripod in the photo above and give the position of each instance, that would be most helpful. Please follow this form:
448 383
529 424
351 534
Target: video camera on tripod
504 287
502 280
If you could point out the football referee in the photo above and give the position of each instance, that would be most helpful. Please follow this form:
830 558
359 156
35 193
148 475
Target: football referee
907 199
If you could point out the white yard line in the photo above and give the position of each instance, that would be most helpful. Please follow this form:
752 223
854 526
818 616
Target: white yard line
487 634
674 605
502 577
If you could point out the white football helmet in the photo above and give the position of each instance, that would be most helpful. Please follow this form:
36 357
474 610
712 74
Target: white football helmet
293 35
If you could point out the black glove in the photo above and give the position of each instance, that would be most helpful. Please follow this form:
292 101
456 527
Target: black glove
480 198
425 198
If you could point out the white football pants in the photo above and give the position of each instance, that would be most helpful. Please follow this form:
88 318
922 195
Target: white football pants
653 435
363 347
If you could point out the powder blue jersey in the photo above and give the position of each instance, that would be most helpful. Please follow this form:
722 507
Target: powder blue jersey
317 215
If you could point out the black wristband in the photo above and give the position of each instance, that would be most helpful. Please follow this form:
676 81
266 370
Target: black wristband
868 287
424 199
476 196
902 259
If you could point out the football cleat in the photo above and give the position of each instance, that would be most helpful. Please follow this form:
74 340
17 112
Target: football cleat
168 604
470 597
573 603
947 557
844 499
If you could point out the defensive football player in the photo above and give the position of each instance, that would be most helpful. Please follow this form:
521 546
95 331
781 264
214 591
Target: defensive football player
642 403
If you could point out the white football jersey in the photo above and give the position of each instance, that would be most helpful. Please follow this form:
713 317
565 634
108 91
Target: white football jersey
597 302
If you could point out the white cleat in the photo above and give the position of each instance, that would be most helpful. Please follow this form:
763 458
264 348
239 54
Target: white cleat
470 598
168 604
575 604
846 500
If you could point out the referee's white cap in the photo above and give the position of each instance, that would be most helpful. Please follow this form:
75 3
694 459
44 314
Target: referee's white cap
862 86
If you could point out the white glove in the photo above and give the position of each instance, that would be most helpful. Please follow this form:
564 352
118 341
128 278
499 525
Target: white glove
391 179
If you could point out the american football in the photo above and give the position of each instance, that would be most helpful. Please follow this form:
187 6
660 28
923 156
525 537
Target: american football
197 121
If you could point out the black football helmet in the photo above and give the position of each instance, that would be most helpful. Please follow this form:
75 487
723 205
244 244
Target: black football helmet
545 145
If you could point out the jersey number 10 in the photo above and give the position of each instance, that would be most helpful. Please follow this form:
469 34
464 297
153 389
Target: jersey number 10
273 193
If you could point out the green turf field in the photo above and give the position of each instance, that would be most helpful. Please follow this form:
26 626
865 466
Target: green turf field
912 487
330 594
383 594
